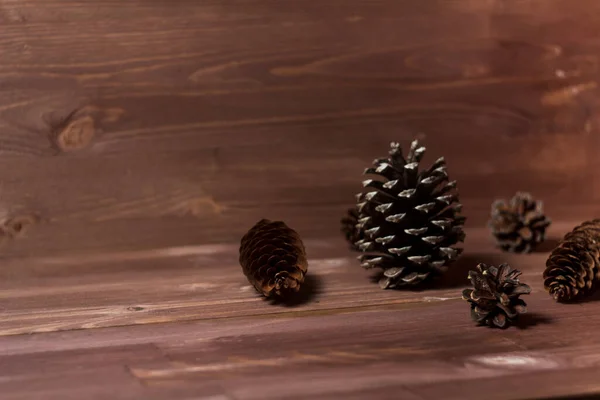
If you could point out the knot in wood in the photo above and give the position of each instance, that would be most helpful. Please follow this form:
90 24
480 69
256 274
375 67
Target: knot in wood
76 135
18 225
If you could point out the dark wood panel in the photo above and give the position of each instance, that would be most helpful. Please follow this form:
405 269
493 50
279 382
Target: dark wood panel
192 202
205 282
116 135
422 347
114 383
539 385
59 362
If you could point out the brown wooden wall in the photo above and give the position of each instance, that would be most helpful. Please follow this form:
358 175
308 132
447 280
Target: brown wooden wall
152 123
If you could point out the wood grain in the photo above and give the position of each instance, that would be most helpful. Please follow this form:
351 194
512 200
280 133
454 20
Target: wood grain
419 344
139 140
187 118
50 294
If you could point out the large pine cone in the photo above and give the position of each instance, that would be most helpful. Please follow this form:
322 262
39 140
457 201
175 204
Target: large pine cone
573 268
410 220
495 295
519 225
350 228
273 258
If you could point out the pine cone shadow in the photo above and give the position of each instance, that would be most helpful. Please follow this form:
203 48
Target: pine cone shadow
457 273
595 296
547 245
309 290
528 320
592 396
376 276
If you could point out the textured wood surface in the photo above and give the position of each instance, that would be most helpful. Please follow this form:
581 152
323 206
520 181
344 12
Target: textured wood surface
186 324
139 140
131 126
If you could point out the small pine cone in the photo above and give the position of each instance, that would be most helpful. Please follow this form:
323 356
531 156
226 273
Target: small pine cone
519 225
573 268
410 219
495 295
350 229
273 258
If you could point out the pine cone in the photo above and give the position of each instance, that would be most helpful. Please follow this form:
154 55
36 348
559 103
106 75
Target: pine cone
495 295
573 268
273 258
350 229
409 219
520 225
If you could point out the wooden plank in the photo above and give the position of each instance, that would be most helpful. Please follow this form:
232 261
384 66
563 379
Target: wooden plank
421 350
319 363
388 380
141 231
474 360
33 365
444 365
101 383
175 210
206 283
98 372
572 384
384 381
395 353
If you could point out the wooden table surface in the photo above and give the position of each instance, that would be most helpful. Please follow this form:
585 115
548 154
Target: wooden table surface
182 323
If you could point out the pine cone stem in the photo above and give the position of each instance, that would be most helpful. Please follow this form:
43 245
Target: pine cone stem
573 268
273 258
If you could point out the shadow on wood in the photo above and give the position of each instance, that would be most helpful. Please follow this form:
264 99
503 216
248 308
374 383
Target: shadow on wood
457 273
581 299
528 320
593 396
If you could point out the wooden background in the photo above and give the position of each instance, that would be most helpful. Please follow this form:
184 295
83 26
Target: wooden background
140 139
138 124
